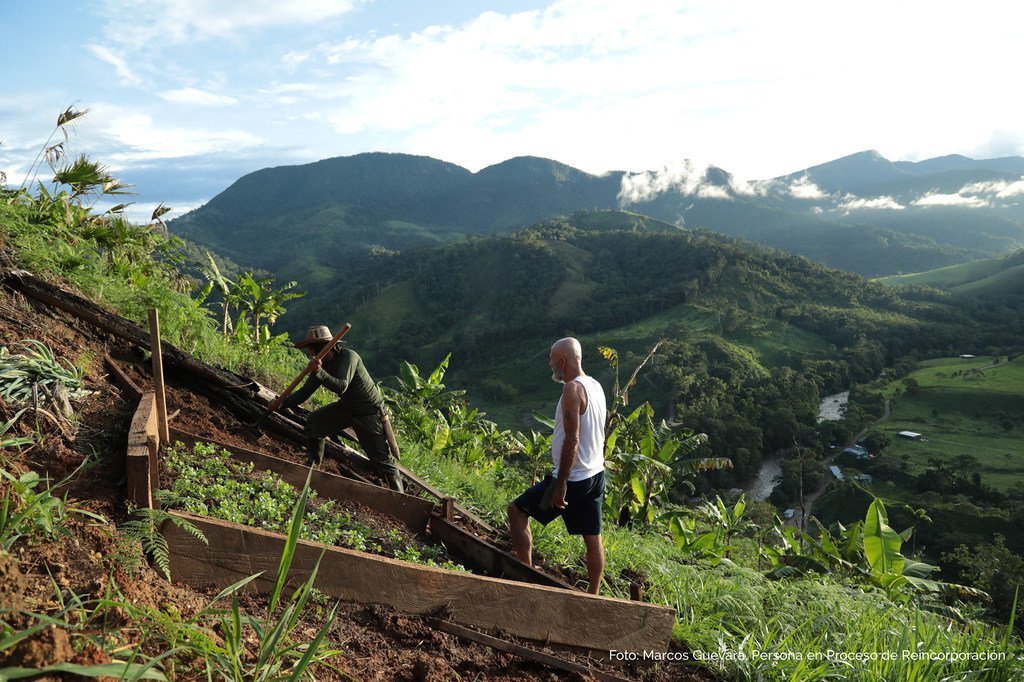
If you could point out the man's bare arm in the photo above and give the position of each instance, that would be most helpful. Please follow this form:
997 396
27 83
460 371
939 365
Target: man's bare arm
572 397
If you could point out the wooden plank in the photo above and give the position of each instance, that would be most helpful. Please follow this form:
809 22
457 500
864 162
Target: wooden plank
144 421
484 556
140 489
461 511
158 374
122 379
412 511
142 476
533 612
153 454
524 652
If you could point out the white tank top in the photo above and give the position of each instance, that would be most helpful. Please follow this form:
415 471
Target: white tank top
590 457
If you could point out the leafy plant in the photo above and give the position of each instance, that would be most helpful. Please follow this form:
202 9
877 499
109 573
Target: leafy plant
26 511
38 372
258 297
276 656
642 461
146 530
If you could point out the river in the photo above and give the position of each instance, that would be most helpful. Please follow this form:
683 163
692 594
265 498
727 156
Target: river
831 408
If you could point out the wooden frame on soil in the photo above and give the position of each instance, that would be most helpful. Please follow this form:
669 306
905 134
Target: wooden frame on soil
417 514
535 612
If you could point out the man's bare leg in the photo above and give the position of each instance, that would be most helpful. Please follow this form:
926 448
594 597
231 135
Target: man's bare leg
595 561
519 529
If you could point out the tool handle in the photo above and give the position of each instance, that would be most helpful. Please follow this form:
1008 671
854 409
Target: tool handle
319 356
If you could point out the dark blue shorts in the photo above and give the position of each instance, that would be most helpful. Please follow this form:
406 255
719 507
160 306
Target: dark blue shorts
583 499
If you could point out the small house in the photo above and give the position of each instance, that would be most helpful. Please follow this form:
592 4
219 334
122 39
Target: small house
836 471
912 435
967 356
858 452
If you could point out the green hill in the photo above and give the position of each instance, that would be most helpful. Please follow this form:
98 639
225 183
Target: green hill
981 278
327 217
741 326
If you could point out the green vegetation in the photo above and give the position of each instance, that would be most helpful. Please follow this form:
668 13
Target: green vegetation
989 277
752 339
724 567
962 407
208 482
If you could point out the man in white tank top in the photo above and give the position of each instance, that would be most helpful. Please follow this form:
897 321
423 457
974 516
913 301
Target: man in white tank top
575 489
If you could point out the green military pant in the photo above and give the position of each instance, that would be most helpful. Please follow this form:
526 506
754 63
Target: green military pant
334 418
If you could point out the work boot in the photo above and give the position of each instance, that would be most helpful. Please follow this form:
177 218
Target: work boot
315 452
395 481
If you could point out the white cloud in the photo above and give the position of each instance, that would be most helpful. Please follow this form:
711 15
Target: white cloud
197 97
804 188
141 23
137 137
118 61
935 199
684 177
1001 189
851 202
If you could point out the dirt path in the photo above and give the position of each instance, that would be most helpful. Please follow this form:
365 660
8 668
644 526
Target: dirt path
810 498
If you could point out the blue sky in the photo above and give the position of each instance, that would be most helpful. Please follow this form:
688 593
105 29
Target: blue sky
185 96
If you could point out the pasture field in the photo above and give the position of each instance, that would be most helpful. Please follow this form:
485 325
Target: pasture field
962 407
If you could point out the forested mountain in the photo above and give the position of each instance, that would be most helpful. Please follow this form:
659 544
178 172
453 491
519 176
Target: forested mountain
752 337
861 213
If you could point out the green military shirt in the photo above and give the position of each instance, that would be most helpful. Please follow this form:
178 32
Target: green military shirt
346 375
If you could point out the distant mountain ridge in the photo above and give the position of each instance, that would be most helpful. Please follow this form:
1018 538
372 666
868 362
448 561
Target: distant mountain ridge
861 213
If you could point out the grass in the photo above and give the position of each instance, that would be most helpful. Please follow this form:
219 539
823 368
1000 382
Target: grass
735 621
960 407
948 276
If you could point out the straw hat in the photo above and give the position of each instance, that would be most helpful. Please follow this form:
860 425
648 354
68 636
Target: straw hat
319 334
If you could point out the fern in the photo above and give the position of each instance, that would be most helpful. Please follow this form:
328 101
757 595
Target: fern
146 530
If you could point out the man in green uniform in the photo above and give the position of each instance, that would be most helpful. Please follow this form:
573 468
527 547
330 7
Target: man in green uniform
360 405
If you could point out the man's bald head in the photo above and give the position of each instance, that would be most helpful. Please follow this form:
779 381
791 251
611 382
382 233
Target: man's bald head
566 359
568 348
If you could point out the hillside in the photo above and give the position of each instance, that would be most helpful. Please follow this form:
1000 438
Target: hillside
741 326
735 581
862 213
986 278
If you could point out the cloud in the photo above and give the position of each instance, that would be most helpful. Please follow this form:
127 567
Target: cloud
197 97
134 137
851 202
1001 189
804 188
935 199
684 177
118 61
141 23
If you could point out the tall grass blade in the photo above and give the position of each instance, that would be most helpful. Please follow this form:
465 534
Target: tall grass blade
294 526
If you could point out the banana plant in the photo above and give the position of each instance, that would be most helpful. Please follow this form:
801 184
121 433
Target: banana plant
727 522
263 302
225 287
643 460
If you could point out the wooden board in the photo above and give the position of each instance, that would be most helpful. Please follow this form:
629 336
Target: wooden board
411 511
535 612
142 469
524 652
486 557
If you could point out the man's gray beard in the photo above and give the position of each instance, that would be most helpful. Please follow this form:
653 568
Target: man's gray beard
554 378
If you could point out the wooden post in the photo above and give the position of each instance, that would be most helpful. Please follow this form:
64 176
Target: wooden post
153 448
158 375
449 509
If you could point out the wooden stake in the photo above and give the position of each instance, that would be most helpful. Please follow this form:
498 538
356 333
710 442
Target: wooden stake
158 375
153 449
